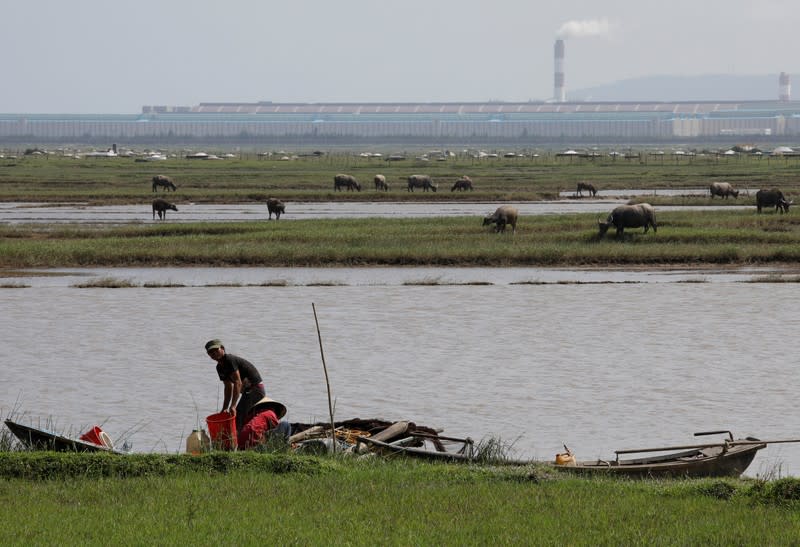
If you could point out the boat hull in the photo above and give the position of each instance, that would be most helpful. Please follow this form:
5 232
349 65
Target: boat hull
41 439
689 464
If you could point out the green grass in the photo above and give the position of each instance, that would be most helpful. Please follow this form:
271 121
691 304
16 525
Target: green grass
683 237
249 498
121 180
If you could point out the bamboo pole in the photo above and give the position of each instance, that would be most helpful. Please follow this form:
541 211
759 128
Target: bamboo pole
327 382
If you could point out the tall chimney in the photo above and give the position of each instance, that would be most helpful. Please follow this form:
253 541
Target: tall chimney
784 88
559 93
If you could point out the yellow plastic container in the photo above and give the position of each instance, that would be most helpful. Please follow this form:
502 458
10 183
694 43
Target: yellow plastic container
198 442
565 459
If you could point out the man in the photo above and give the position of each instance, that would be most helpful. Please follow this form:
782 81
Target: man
240 377
264 420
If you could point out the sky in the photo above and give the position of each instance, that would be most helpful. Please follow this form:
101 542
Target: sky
93 57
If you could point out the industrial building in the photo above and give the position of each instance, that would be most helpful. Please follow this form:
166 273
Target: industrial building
436 122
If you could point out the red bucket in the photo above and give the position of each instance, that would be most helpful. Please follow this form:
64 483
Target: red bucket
95 436
222 428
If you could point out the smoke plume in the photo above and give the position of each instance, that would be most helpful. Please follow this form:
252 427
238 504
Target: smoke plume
584 28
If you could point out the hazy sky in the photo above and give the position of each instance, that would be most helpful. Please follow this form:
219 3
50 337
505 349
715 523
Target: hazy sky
88 56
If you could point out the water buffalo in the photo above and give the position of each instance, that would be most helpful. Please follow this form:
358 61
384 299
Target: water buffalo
380 183
346 181
276 206
421 181
160 206
769 198
723 190
588 186
163 181
504 215
462 184
629 216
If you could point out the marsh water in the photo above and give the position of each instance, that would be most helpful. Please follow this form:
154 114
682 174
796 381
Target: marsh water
17 213
597 360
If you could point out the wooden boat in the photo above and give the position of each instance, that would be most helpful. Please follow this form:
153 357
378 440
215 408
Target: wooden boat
400 447
41 439
383 437
727 458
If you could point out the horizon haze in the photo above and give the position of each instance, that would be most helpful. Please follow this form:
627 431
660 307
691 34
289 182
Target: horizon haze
99 58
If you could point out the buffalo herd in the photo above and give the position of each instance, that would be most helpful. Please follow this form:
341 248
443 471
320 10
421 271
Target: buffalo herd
641 215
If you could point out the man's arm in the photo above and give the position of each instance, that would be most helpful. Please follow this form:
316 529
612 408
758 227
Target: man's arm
233 388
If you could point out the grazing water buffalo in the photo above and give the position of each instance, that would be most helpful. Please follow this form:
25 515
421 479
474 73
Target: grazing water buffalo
630 216
160 206
346 181
276 206
769 198
723 190
462 184
588 186
504 215
163 181
380 183
421 181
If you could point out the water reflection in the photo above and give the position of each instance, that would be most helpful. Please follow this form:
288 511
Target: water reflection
596 366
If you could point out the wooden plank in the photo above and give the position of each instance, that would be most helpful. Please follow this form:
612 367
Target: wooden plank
394 430
303 435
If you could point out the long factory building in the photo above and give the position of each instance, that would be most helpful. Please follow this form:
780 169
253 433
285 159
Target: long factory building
472 121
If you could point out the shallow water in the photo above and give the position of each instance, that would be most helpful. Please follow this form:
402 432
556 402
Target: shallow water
17 213
533 358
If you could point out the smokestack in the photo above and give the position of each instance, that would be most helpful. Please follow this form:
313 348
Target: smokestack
784 88
559 93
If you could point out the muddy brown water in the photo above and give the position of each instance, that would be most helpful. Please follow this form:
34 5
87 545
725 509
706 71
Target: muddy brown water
599 360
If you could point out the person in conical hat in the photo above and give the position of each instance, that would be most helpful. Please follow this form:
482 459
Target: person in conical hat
264 419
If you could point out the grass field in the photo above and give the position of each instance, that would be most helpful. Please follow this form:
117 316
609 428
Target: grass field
250 498
684 237
121 180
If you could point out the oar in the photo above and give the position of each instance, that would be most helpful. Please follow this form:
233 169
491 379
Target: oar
706 445
775 441
731 440
678 447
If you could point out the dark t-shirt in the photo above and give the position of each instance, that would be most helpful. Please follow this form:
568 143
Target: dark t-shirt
230 363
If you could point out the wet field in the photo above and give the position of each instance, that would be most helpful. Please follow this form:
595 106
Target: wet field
599 359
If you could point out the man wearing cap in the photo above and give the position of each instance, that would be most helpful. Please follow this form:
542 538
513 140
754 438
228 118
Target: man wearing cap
240 377
264 419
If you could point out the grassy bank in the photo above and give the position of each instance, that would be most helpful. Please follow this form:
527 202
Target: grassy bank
121 180
683 237
255 498
251 498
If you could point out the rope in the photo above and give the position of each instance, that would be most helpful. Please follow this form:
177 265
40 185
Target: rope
350 436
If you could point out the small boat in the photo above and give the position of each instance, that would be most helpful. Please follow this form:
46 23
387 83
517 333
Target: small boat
465 455
727 458
41 439
359 436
